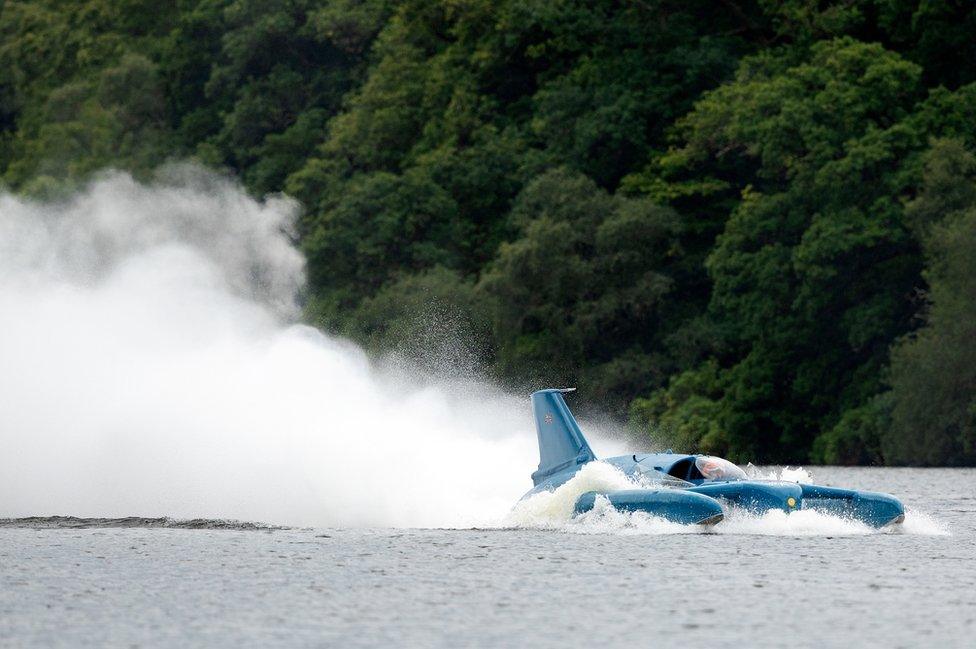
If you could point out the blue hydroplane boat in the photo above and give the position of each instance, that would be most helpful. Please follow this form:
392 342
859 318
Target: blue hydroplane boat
687 489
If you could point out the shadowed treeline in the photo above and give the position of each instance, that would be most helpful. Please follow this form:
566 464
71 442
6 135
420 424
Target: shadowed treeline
749 224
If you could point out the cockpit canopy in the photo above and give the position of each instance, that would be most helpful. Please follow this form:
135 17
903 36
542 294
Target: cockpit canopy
715 468
706 468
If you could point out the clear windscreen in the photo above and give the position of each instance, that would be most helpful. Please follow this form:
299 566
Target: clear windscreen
715 468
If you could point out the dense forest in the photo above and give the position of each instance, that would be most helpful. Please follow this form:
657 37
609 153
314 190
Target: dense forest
748 225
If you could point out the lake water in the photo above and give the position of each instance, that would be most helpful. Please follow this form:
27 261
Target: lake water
798 581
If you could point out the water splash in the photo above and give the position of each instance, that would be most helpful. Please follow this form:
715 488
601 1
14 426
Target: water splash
554 508
150 369
921 523
786 474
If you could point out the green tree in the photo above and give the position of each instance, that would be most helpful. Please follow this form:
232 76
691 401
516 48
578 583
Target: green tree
578 296
933 371
481 98
382 225
724 210
117 119
433 317
65 109
811 271
278 76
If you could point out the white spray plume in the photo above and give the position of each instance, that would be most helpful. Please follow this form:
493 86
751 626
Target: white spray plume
148 369
554 508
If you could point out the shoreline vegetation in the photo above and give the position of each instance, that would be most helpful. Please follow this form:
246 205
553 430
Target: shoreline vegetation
750 225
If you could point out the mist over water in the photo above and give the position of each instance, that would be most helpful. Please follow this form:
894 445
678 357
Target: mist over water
150 367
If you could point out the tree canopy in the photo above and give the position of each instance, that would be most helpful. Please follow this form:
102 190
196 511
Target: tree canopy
746 224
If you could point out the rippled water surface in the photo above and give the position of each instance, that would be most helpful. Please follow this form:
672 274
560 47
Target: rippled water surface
777 581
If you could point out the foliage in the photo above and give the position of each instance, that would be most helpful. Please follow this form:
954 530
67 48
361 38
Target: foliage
434 318
583 286
744 223
812 273
856 438
933 370
688 413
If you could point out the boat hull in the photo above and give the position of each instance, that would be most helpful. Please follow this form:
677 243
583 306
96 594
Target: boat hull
709 503
675 505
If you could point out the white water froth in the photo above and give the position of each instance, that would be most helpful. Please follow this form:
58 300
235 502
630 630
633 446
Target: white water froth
786 474
918 522
148 369
554 508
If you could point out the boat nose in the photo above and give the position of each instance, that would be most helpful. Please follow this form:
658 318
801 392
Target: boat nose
875 509
878 509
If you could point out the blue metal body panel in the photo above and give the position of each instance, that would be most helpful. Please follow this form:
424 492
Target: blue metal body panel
668 484
562 446
674 505
754 495
875 509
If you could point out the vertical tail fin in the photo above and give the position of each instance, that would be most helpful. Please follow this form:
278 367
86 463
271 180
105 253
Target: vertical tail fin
561 443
